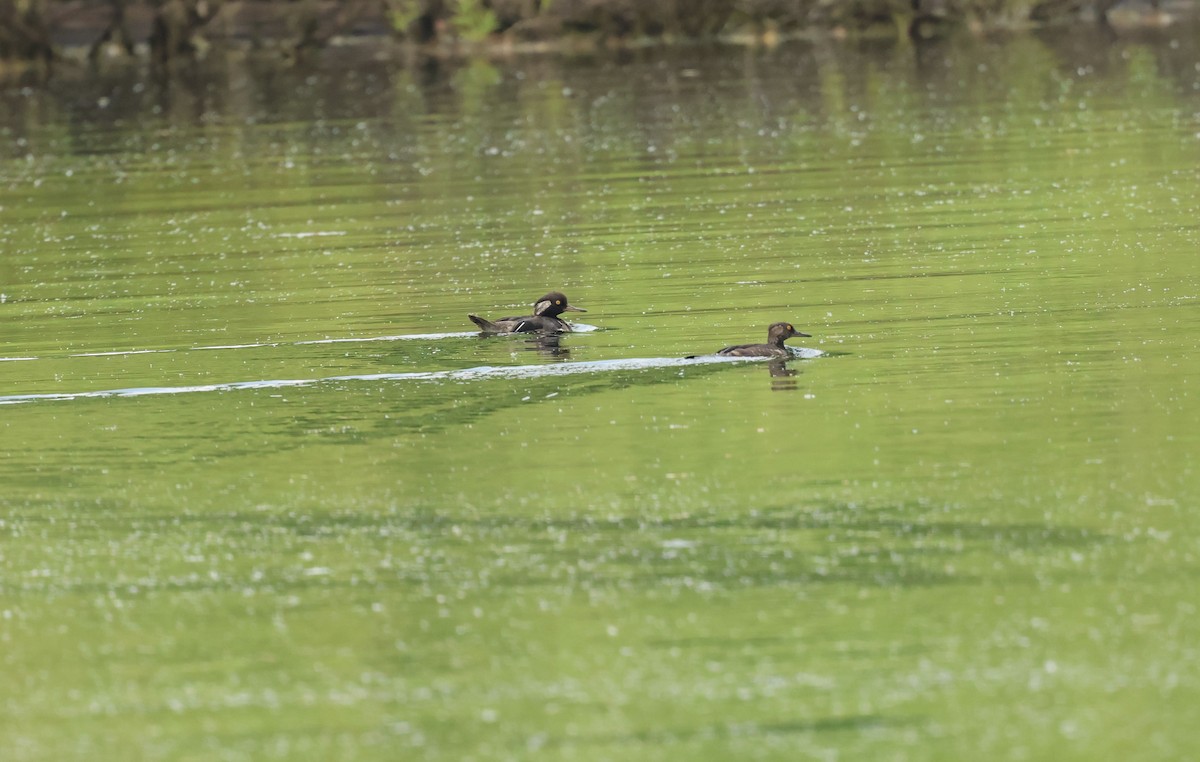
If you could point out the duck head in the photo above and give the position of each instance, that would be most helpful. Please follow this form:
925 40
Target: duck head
778 332
554 304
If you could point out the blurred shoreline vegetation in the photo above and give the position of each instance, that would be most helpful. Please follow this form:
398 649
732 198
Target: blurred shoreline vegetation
42 33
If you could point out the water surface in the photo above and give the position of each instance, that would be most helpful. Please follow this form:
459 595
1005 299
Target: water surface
266 496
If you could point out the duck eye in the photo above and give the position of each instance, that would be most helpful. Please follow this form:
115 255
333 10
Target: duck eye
558 301
790 328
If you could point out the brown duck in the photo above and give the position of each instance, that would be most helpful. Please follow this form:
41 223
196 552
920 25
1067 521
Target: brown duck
776 335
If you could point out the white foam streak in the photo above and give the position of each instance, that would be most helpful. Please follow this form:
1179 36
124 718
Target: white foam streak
805 353
465 374
578 328
122 353
311 234
401 337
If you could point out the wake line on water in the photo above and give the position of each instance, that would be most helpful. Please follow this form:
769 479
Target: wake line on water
464 374
578 328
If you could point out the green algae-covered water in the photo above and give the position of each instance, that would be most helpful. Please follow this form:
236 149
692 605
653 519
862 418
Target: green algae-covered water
266 496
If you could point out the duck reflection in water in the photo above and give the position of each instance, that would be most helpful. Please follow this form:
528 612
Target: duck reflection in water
547 344
783 378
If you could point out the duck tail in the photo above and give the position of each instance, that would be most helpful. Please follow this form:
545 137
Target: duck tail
484 324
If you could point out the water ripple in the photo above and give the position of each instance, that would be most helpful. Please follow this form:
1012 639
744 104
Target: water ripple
463 374
578 328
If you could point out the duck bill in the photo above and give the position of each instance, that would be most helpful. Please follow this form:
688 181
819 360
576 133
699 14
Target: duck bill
803 335
573 308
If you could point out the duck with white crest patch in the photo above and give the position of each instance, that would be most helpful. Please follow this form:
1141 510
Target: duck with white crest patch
545 318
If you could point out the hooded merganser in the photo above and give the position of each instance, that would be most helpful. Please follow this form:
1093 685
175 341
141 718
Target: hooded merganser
776 335
544 318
